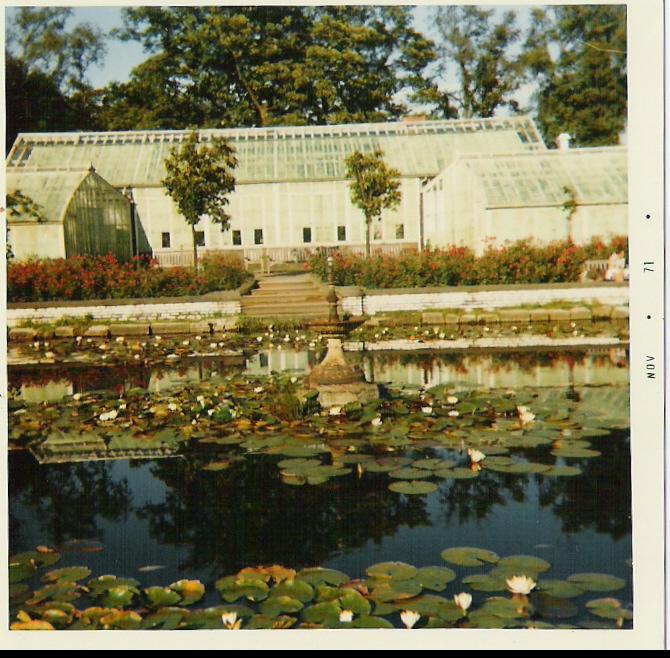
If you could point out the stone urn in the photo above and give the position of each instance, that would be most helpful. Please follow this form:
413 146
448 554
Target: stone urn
339 383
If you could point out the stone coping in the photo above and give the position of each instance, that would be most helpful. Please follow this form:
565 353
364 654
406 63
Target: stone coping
215 296
357 291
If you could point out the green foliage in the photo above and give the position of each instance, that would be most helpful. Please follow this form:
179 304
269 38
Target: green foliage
374 186
199 178
260 66
583 89
479 48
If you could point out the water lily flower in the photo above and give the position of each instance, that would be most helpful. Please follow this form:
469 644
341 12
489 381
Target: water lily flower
463 600
346 616
36 344
453 413
476 456
230 621
520 585
46 343
427 410
287 338
122 406
525 416
172 406
376 422
294 380
335 411
104 356
108 415
452 399
409 618
198 337
201 400
137 356
213 346
259 339
185 342
258 389
157 339
49 355
76 396
120 339
210 412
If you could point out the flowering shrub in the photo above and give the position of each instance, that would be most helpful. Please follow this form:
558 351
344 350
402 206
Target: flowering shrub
103 277
519 262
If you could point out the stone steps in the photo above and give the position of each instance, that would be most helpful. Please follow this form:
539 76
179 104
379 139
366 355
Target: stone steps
286 297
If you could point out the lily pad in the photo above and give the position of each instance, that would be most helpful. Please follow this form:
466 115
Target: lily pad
159 597
68 573
456 473
563 471
550 607
396 590
560 589
597 582
394 570
297 589
468 556
371 622
578 453
409 473
319 576
268 622
232 588
190 591
524 564
413 487
434 578
503 607
275 605
609 608
485 583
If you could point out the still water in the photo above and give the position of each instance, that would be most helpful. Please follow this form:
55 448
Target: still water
183 522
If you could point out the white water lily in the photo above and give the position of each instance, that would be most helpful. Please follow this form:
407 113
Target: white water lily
137 356
258 389
287 338
259 339
230 621
157 339
201 400
463 600
76 396
453 413
49 355
294 380
210 412
335 411
376 422
172 406
122 406
452 399
213 346
520 585
525 416
108 415
427 410
120 339
476 456
185 342
346 616
409 618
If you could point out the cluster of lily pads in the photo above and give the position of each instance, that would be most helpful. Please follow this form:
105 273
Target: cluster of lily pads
515 593
417 437
373 333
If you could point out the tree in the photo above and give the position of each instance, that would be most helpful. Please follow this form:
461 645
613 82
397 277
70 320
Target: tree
264 65
21 205
38 37
199 178
480 48
374 187
577 56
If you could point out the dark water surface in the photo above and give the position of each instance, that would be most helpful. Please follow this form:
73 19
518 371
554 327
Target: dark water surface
169 513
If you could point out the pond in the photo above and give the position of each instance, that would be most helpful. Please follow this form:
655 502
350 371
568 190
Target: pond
205 506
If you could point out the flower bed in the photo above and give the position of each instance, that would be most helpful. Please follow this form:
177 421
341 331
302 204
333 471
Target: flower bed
516 263
103 277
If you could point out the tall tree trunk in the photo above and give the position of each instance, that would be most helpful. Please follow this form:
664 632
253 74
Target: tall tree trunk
367 237
261 112
195 250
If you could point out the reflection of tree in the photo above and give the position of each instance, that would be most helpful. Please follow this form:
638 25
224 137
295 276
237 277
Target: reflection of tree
67 499
474 499
247 516
600 497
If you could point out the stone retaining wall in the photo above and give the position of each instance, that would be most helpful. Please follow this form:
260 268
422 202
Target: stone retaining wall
145 312
375 302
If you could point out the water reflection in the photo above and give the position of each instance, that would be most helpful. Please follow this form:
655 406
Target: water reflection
490 369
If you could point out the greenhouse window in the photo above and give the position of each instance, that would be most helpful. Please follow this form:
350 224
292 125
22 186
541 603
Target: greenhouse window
237 238
306 234
200 238
341 233
165 240
377 234
258 236
399 231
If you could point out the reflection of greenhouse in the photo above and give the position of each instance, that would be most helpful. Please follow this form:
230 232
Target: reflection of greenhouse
498 180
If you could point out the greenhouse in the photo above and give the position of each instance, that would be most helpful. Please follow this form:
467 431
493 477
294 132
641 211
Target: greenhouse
80 214
291 195
551 195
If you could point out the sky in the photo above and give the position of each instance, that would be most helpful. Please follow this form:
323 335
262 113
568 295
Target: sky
122 57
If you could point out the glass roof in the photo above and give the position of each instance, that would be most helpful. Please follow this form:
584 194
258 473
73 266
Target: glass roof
597 175
51 190
281 154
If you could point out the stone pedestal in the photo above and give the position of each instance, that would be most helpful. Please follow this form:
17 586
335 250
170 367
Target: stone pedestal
337 382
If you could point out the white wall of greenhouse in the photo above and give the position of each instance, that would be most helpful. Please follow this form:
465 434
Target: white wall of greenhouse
30 240
479 201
